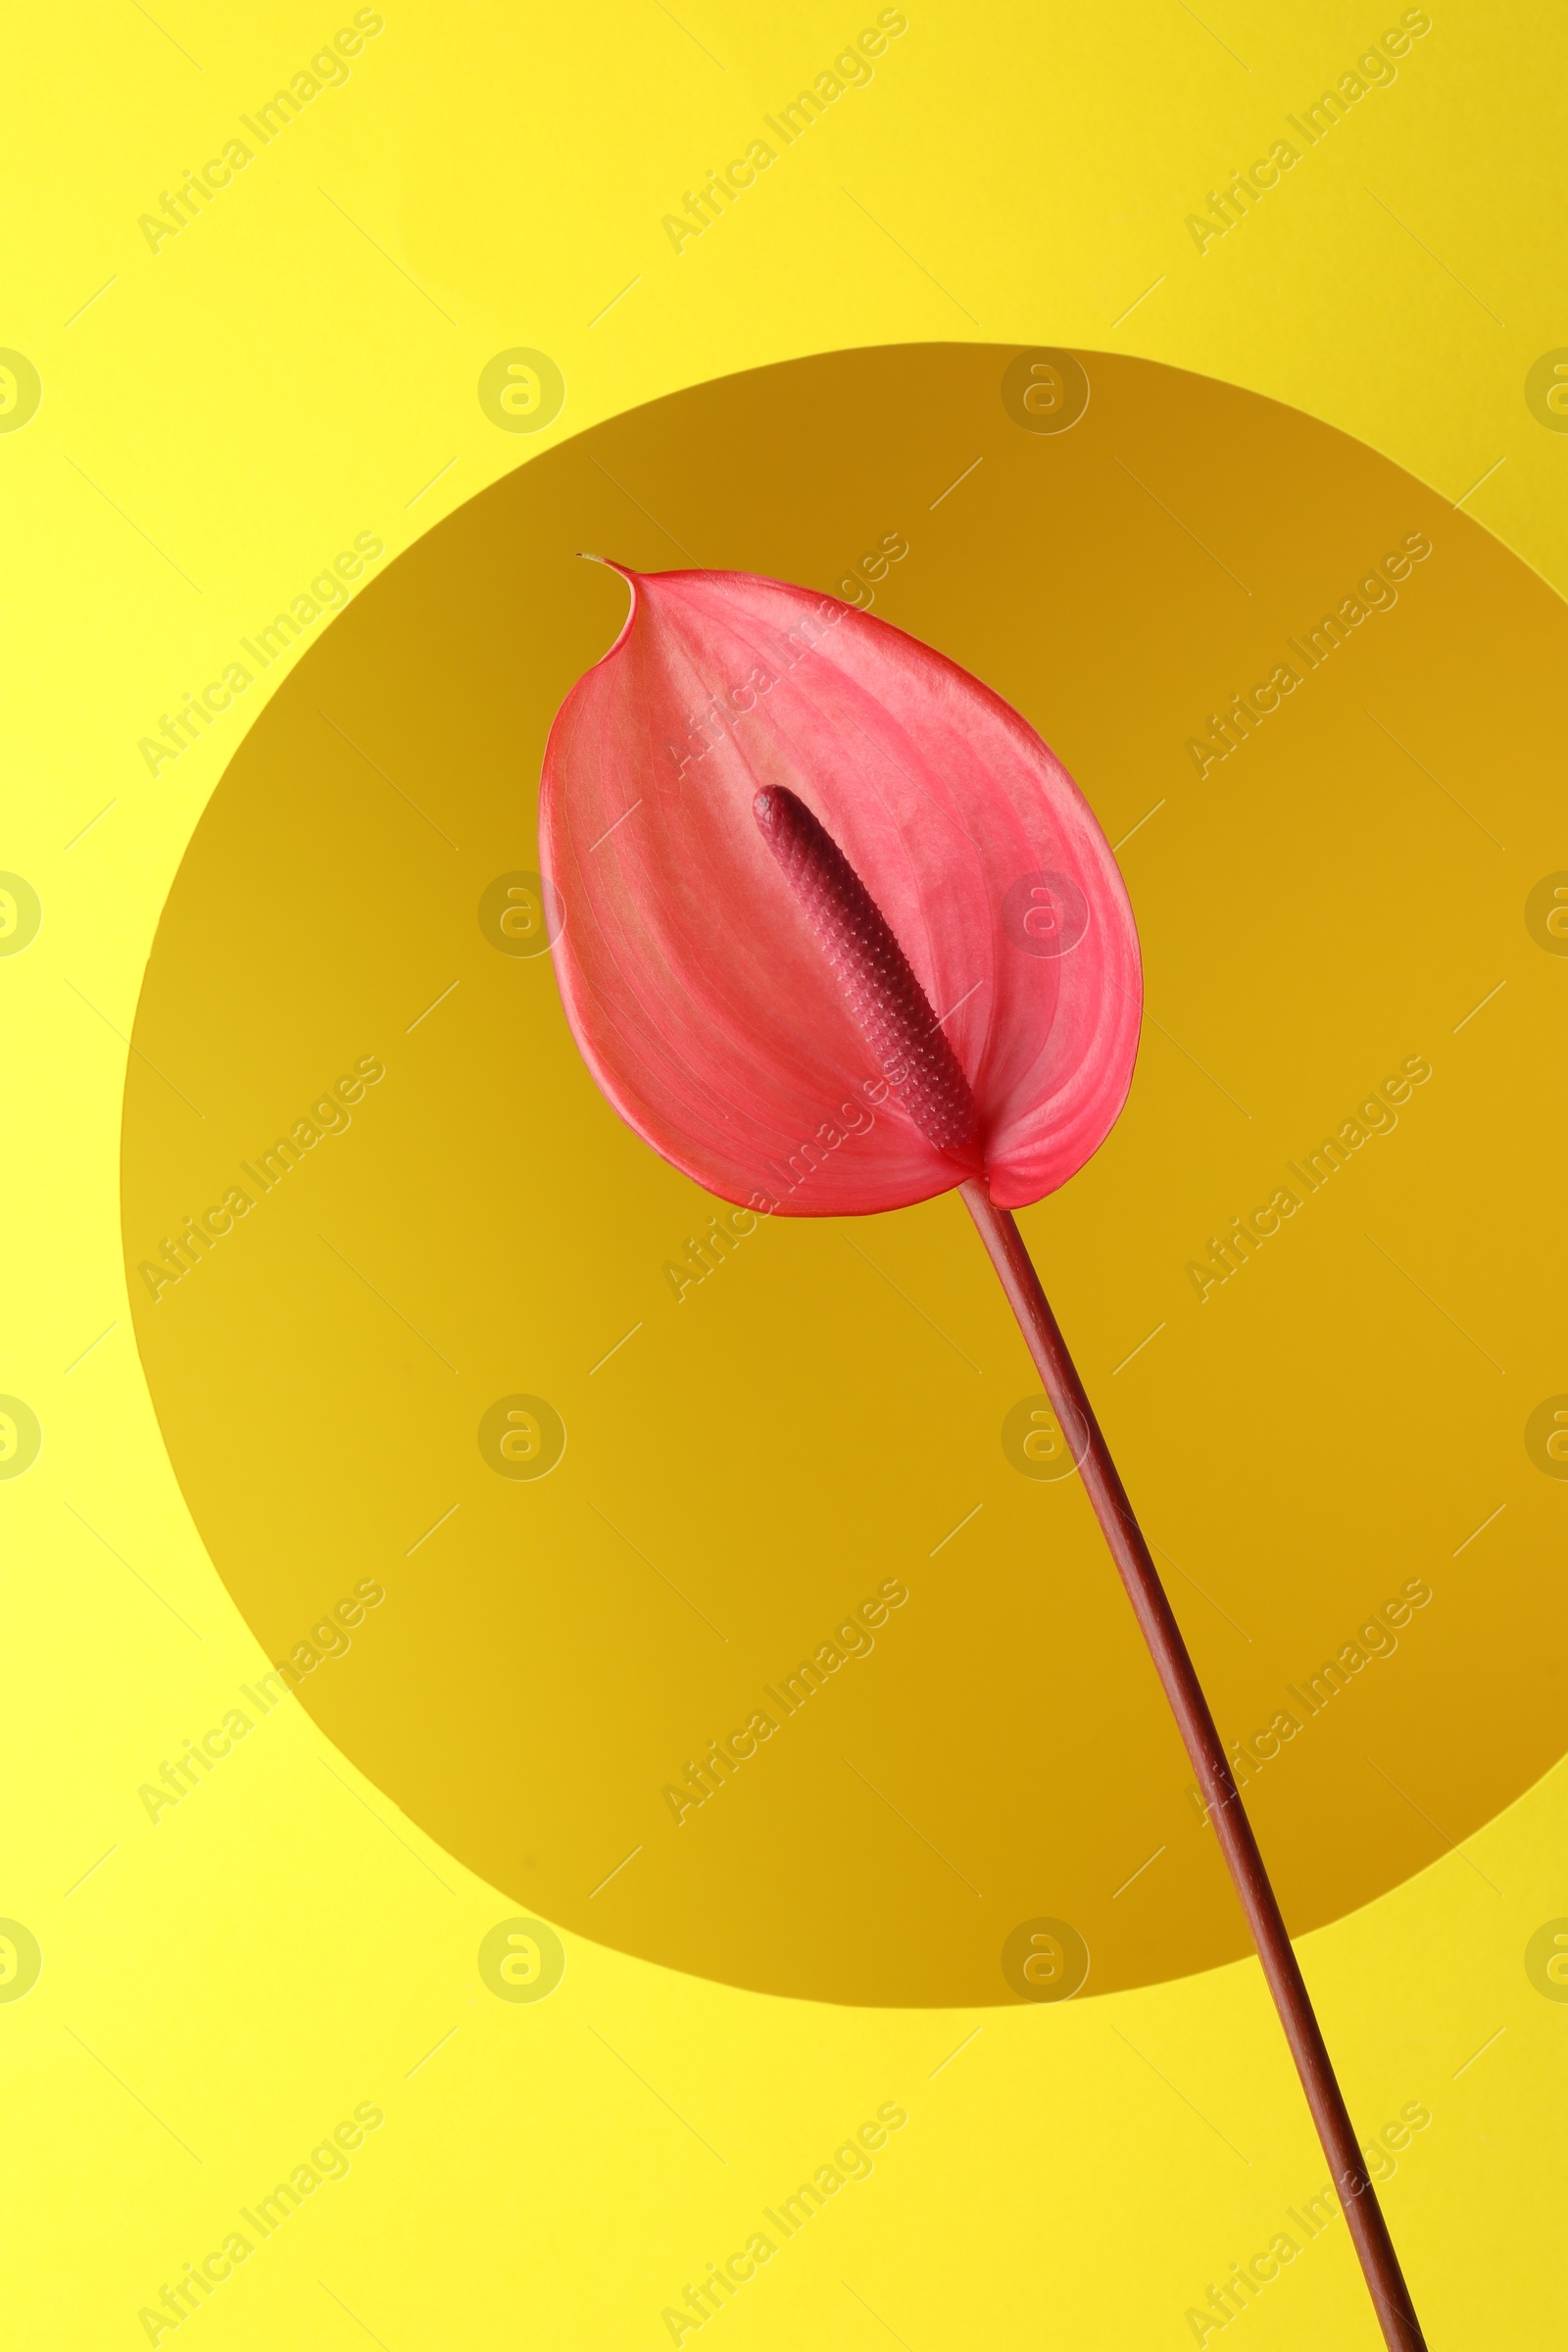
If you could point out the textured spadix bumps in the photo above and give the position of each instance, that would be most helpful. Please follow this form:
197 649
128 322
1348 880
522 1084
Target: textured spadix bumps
742 1007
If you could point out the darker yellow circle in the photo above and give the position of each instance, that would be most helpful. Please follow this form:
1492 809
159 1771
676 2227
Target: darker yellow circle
784 1675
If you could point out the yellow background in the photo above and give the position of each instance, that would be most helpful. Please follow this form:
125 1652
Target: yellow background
298 365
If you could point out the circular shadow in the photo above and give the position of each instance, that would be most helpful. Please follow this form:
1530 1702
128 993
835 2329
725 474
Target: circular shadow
792 1672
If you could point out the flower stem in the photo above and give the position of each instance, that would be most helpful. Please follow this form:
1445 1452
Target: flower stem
1365 2216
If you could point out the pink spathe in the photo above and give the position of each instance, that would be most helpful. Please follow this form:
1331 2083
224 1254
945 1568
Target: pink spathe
702 1000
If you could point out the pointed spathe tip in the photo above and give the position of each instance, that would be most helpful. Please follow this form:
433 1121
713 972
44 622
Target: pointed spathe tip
633 582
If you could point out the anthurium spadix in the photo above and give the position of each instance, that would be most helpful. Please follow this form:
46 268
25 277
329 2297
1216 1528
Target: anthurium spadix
698 993
837 932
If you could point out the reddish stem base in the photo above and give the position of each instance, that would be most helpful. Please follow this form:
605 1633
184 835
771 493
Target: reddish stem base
1391 2296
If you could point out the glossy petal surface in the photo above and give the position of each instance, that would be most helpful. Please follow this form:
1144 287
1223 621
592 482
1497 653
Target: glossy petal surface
700 999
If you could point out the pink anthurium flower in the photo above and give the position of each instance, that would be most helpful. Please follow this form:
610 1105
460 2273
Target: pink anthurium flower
839 934
695 988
